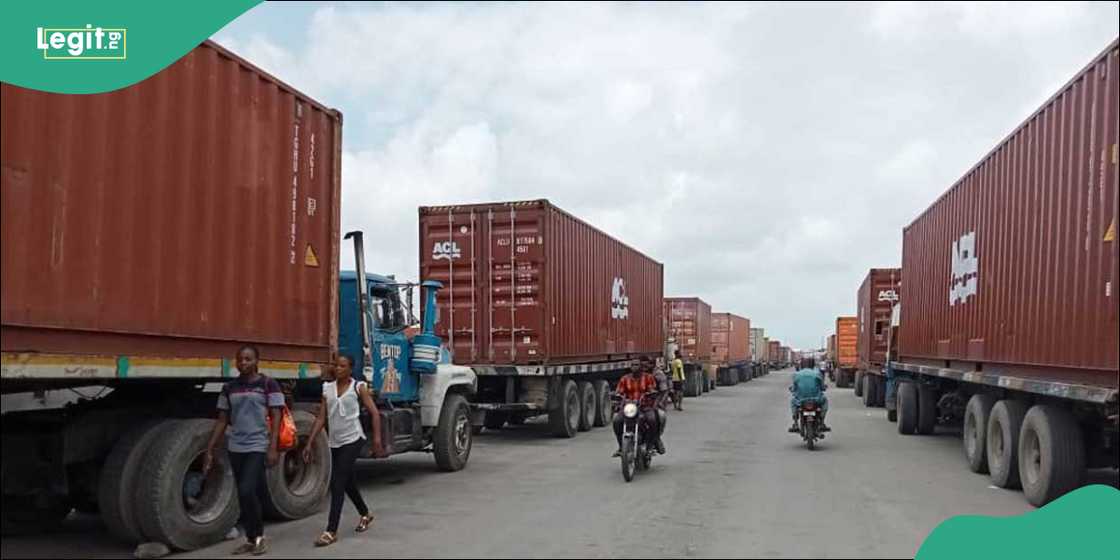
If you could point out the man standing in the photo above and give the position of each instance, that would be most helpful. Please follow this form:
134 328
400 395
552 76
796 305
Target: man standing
677 368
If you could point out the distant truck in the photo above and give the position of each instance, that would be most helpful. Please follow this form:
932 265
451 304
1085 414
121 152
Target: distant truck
731 348
1008 323
690 324
877 297
846 350
547 311
133 272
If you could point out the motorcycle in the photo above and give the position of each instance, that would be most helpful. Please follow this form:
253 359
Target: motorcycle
809 422
638 446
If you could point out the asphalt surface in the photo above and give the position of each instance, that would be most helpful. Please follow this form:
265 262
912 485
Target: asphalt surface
733 484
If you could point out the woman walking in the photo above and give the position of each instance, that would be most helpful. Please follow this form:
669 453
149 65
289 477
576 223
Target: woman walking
340 407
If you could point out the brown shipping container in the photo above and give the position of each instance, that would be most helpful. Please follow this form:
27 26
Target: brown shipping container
775 350
731 338
831 352
847 342
1015 266
878 293
179 217
690 323
527 283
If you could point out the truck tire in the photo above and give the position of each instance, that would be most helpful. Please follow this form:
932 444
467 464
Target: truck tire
880 391
586 406
495 420
117 484
515 420
602 402
1004 426
859 384
1051 454
173 459
452 442
974 431
907 408
927 409
892 415
564 417
691 384
868 391
297 489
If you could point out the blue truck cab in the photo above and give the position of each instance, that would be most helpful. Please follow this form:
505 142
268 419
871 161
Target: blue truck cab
422 398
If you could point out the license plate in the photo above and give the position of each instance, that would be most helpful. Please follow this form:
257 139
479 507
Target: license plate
809 413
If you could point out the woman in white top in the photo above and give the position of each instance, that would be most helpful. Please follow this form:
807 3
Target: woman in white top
340 406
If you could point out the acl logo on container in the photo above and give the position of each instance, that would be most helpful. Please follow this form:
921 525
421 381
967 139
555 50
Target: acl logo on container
888 295
620 302
966 269
446 250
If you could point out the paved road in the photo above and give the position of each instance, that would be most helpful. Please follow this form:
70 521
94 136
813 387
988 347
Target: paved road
734 484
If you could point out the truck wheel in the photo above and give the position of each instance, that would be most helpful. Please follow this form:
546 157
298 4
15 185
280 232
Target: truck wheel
691 387
586 405
564 418
1051 454
859 384
175 504
907 408
297 489
1002 449
927 409
868 388
495 419
602 402
452 443
892 415
880 391
975 431
515 420
117 485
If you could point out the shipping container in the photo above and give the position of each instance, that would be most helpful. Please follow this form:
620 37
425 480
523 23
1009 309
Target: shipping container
730 338
877 296
758 345
847 342
831 350
775 351
690 323
146 234
1008 320
1015 266
528 283
174 219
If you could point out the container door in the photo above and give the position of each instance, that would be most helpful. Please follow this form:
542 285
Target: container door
452 255
516 312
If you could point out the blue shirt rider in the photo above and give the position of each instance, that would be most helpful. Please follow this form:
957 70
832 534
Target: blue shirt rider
808 385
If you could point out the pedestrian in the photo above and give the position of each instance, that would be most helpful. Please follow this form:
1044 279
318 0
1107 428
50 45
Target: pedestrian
340 411
243 408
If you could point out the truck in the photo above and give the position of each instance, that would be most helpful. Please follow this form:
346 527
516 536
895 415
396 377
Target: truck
731 348
545 309
774 353
845 343
876 299
690 326
759 366
1008 327
115 343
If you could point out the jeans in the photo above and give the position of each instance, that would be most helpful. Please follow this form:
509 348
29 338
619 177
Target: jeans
248 471
647 417
344 483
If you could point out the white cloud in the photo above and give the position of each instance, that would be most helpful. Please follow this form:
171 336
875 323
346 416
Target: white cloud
767 154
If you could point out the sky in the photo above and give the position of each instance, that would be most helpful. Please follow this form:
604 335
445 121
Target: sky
767 154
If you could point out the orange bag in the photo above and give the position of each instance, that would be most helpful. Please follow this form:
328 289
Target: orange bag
288 432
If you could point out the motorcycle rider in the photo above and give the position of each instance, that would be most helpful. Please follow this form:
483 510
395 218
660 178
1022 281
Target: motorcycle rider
634 386
808 385
662 397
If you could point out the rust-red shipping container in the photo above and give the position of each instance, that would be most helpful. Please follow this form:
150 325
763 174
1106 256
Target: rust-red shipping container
831 352
731 338
847 342
179 217
527 283
877 296
1014 268
775 350
690 324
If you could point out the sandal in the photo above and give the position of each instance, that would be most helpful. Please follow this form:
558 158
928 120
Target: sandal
364 523
326 539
